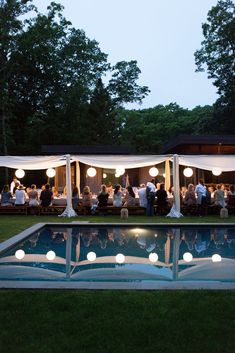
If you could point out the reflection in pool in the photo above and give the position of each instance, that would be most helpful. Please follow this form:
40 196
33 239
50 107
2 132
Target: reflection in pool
122 253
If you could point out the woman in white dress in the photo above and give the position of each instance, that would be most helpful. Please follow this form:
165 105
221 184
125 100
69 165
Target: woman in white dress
117 196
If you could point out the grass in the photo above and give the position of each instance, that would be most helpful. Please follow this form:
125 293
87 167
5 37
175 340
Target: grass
117 322
49 321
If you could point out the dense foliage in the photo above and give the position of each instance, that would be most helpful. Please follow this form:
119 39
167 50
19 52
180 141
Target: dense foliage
217 55
52 87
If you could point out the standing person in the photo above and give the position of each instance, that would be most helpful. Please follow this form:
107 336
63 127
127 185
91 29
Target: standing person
200 191
162 198
46 196
13 185
20 196
150 193
190 198
142 196
219 196
75 197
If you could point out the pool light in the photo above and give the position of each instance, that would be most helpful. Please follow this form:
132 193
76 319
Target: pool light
120 258
216 258
20 254
91 256
153 257
50 255
187 257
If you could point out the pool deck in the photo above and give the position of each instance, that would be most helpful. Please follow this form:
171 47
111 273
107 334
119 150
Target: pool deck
102 285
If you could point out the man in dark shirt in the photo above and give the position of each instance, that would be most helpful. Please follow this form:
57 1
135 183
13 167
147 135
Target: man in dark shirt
46 196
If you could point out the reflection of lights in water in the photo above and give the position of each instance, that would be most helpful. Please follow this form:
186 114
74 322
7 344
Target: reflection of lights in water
50 255
153 257
155 235
216 258
20 254
136 235
91 256
187 257
120 258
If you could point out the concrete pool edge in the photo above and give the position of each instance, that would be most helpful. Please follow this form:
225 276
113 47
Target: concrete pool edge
143 285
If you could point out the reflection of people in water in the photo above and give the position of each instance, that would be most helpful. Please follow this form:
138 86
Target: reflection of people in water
119 236
189 236
219 236
147 242
58 237
33 240
102 237
203 240
87 237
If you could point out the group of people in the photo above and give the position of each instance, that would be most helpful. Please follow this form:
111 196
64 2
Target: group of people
18 195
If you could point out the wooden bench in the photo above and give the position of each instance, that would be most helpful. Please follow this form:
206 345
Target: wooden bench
15 210
132 210
51 210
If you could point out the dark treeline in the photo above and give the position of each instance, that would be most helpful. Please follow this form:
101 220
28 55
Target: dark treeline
52 87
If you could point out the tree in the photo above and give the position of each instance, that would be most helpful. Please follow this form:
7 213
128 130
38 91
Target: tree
217 55
51 80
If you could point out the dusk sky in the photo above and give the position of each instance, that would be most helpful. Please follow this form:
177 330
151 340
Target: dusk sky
162 35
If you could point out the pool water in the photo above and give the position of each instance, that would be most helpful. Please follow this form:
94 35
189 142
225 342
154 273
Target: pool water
122 253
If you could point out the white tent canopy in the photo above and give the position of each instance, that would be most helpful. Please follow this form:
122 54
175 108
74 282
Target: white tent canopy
208 162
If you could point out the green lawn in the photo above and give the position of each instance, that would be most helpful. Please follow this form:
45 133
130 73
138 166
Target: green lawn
48 321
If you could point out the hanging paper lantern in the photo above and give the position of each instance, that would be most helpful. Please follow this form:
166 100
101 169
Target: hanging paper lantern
20 173
153 172
91 172
216 171
104 175
188 172
120 170
50 173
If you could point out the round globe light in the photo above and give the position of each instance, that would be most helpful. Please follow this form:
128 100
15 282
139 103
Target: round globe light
187 257
216 172
91 172
120 170
117 175
20 254
104 175
216 258
153 172
50 255
20 173
164 175
91 256
153 257
50 173
120 258
188 172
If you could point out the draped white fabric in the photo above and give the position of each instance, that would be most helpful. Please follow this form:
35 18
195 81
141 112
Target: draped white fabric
32 162
113 161
209 162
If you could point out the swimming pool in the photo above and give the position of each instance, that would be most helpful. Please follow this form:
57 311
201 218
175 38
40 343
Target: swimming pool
121 253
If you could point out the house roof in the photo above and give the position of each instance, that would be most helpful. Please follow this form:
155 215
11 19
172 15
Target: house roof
201 143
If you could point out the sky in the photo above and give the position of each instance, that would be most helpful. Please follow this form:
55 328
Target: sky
162 35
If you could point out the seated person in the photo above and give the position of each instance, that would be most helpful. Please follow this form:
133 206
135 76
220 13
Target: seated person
6 196
129 199
33 196
75 197
86 199
117 196
46 196
190 197
103 196
20 196
55 191
219 197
